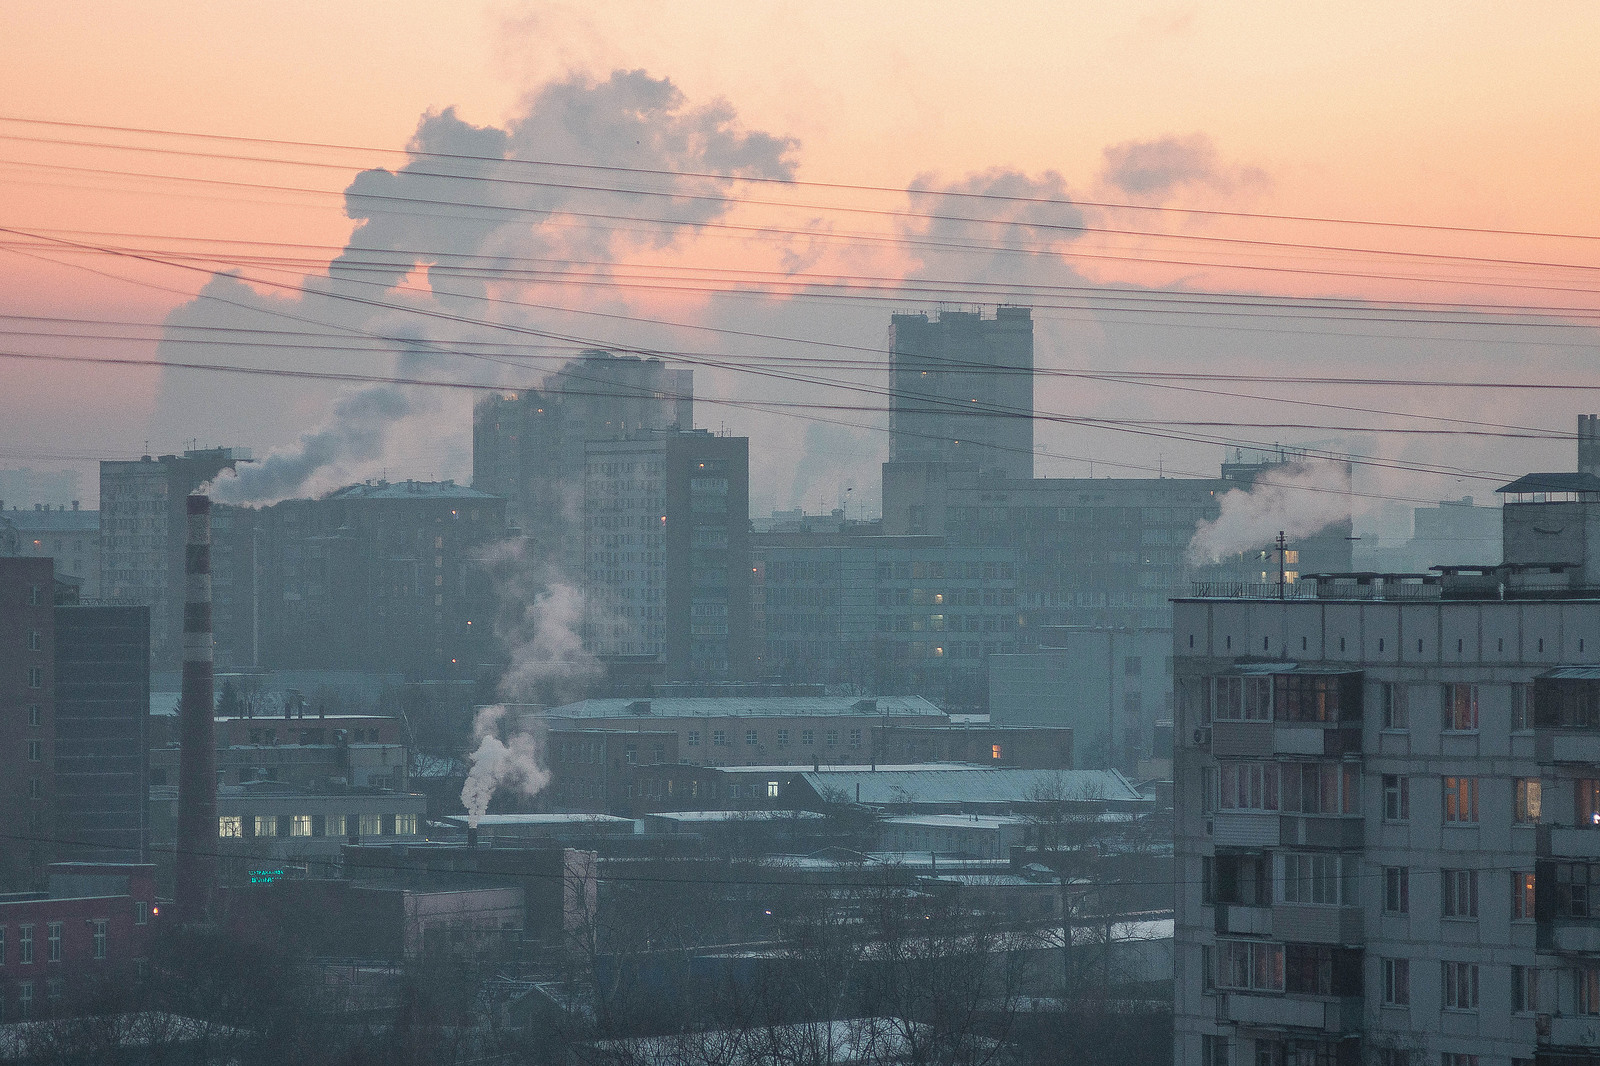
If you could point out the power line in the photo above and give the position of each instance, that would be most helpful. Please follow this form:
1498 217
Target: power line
410 153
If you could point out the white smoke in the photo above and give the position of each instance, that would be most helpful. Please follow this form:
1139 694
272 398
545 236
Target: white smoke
516 762
540 623
1299 500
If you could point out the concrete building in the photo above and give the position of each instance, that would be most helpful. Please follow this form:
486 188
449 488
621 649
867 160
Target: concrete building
312 751
1112 687
102 731
68 535
380 576
667 553
885 614
27 718
962 389
1095 551
1386 807
529 446
142 531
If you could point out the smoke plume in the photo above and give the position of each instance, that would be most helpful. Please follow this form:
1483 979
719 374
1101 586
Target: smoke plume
1299 499
540 624
516 762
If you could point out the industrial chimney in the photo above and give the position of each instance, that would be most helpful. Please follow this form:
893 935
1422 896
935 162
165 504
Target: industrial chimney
196 864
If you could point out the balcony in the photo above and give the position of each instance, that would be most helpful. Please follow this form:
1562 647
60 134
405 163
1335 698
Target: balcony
1344 832
1568 843
1245 829
1320 925
1331 740
1238 918
1575 936
1241 739
1564 746
1336 1016
1573 1032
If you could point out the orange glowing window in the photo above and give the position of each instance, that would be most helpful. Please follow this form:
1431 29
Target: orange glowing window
995 751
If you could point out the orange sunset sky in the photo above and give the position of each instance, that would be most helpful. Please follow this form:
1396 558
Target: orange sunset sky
1451 114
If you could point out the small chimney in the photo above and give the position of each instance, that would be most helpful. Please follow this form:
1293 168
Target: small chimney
74 505
472 836
1589 444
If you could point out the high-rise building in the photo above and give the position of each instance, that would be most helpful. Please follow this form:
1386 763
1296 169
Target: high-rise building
1387 794
667 553
142 529
102 732
962 389
27 713
529 446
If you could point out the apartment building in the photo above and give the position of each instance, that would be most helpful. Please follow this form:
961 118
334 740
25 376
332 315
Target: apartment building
1388 808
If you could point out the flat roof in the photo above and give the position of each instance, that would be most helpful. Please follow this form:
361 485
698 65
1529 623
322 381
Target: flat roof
743 706
977 785
733 816
503 821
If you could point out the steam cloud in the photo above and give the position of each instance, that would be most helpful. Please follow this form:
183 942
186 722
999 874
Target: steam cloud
1300 499
516 762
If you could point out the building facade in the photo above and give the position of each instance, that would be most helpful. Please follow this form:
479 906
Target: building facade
529 446
380 575
102 731
962 389
666 537
68 535
27 718
889 615
142 530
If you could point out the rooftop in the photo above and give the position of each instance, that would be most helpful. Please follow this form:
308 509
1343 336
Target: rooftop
53 520
1560 481
744 706
976 785
408 490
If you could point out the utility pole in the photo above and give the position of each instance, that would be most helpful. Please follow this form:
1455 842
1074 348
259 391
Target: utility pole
1283 547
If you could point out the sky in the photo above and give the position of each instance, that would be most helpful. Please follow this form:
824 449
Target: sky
1464 115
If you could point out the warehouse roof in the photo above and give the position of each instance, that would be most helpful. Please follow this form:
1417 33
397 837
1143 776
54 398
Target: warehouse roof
975 786
747 707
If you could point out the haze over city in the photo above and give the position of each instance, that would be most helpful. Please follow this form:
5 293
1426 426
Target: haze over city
800 533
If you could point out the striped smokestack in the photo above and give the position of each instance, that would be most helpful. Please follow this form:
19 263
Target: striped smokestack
196 864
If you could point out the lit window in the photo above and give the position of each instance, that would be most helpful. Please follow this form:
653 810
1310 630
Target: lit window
1528 799
230 825
1461 799
772 790
1460 707
405 825
300 825
994 751
333 825
266 825
371 825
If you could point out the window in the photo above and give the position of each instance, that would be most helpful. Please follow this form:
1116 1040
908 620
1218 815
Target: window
1246 699
808 737
25 944
630 753
35 750
1460 799
1396 798
266 825
1321 787
230 825
300 825
35 715
1132 665
141 915
35 788
1521 707
1460 707
1392 699
1213 1050
1577 893
1588 982
333 825
1397 889
34 642
54 941
1522 885
694 738
719 738
832 737
994 751
1460 986
751 737
25 998
1457 1058
1524 989
369 825
2 945
405 825
1251 965
855 738
1528 797
1249 786
100 938
783 737
1319 878
1589 803
772 790
1459 894
35 677
1396 982
1321 970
